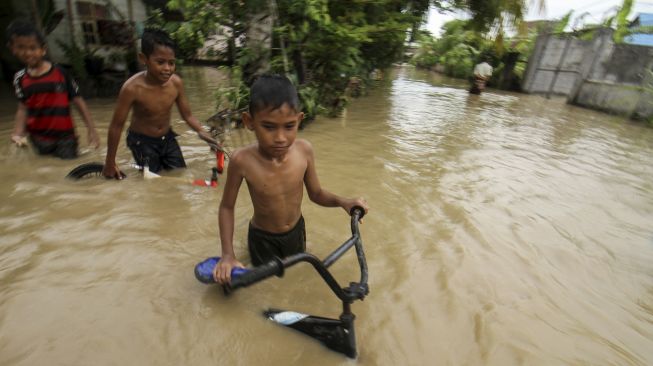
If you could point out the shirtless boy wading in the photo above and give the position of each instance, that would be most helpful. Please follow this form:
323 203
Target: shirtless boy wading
151 94
276 169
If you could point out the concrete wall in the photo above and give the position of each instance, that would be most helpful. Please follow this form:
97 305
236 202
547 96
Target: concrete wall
598 74
556 64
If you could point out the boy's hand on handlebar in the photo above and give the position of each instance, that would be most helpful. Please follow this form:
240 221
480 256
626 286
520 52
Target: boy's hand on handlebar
222 271
351 203
206 136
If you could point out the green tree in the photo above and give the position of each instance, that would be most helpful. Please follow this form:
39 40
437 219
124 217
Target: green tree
621 21
328 47
457 50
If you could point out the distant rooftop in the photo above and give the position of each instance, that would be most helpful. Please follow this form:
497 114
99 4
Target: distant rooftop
642 39
642 20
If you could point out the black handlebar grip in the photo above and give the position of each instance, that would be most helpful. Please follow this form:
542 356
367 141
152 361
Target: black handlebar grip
361 211
274 267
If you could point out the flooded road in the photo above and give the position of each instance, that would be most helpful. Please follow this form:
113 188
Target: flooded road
504 229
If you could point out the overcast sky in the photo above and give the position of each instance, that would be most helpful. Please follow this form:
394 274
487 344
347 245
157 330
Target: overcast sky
555 9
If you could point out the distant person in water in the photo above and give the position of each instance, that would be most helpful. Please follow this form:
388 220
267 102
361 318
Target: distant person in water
276 168
482 73
150 95
44 92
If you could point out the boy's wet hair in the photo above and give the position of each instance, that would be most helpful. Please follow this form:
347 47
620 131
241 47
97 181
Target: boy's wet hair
23 28
272 92
155 37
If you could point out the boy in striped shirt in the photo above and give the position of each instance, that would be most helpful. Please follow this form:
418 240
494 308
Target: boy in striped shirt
45 91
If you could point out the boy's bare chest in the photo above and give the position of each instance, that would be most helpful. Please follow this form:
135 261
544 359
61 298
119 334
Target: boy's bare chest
156 100
272 179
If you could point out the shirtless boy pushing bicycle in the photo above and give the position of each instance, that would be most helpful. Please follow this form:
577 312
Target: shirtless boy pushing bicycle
276 169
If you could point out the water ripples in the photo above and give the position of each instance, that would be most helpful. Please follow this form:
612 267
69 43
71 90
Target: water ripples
504 229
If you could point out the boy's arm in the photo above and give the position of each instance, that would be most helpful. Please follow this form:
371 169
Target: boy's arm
187 115
125 100
18 136
222 272
93 139
319 195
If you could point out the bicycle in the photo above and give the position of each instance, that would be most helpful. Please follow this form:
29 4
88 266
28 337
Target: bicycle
94 169
336 334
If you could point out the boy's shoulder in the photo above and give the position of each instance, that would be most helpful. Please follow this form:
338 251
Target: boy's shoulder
136 79
134 84
304 146
139 79
243 153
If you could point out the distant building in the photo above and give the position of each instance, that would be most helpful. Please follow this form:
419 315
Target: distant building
642 39
97 25
103 28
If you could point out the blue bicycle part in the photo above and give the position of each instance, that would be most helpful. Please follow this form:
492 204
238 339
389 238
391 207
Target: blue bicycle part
336 334
204 270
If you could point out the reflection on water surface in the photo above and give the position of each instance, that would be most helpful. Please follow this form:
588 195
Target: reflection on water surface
505 229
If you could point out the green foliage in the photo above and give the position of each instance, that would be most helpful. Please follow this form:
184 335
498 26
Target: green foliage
188 40
427 54
646 29
326 45
622 23
488 14
562 23
462 44
235 94
308 97
460 60
75 56
458 49
203 19
50 17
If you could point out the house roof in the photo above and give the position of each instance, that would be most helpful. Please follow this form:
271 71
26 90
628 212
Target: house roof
640 39
642 19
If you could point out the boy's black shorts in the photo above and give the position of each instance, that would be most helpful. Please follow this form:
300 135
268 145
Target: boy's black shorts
64 148
263 245
157 152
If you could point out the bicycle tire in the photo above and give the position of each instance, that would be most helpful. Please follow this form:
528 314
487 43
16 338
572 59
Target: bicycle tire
86 170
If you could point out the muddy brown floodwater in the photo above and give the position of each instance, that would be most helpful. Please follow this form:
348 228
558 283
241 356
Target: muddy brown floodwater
504 229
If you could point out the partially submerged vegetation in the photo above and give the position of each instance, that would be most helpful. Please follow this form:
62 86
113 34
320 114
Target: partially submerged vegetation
329 48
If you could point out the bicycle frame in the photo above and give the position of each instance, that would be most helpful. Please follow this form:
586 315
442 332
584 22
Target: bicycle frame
336 334
94 169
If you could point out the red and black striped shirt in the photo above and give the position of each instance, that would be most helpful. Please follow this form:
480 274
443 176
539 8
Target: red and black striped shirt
47 98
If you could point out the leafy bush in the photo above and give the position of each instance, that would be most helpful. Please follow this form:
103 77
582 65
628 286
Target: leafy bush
75 56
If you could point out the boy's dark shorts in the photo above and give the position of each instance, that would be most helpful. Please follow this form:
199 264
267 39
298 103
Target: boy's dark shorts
64 148
157 152
263 245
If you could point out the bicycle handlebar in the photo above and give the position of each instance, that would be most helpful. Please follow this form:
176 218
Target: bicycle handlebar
256 274
277 266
